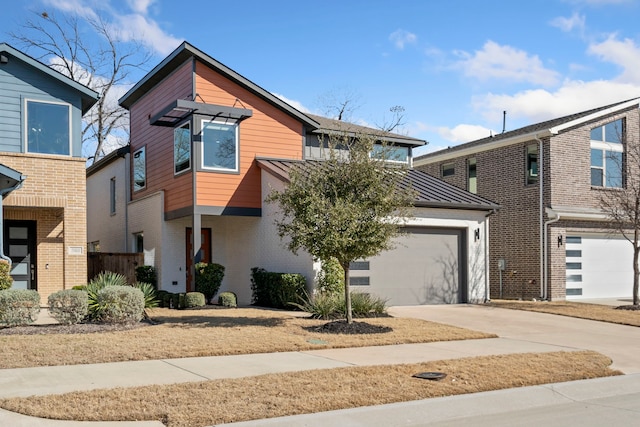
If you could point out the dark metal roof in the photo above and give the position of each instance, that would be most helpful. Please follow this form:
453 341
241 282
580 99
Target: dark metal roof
88 96
328 125
108 159
527 130
186 51
431 191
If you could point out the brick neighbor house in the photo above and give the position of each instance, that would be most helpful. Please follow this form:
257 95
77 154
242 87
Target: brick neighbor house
551 244
207 146
44 218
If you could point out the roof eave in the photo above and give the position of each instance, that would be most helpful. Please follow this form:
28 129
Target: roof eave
452 205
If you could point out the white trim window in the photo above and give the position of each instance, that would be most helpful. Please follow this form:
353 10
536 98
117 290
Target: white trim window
390 153
139 170
220 151
182 148
47 127
607 155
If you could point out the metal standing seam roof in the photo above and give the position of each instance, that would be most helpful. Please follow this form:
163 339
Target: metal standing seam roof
431 191
527 130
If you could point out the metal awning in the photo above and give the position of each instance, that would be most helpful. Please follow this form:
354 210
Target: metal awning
180 109
10 180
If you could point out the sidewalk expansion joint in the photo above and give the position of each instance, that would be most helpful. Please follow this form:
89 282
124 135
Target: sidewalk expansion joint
186 370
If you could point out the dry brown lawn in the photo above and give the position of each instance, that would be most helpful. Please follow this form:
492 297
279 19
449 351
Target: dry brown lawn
603 313
211 332
267 396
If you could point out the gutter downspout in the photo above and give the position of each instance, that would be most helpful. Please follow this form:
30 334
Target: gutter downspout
541 225
546 278
487 293
2 194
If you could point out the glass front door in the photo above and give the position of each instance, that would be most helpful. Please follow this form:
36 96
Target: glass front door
20 246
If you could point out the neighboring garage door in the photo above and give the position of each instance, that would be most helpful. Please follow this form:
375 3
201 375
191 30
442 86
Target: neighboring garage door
598 267
424 268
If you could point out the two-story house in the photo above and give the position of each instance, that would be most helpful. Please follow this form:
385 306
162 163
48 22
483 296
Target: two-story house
207 145
549 239
44 217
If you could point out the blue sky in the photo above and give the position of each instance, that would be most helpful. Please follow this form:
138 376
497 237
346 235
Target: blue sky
454 65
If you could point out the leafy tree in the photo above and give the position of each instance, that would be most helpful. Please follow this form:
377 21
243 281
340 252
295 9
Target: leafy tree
103 65
349 206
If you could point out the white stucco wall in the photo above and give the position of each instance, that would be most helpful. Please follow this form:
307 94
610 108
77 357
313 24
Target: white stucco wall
146 216
102 226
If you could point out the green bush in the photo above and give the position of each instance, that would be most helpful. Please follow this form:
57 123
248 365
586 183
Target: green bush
194 299
326 305
5 275
160 295
147 274
209 279
331 277
150 294
166 299
101 281
278 290
365 305
228 299
69 306
120 304
79 288
19 306
177 300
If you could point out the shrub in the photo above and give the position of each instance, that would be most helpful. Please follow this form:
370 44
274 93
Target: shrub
209 279
228 299
177 300
278 290
326 305
166 299
80 287
331 277
120 304
69 306
194 299
5 275
101 281
365 305
147 274
19 306
150 294
160 295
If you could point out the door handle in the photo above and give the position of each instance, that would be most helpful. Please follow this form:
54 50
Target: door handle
33 272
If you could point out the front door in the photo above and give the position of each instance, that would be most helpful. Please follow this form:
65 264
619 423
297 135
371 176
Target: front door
205 254
20 246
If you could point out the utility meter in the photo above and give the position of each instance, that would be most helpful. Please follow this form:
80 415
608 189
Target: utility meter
502 264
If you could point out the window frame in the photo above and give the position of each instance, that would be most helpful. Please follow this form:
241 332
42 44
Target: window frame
138 242
236 126
26 124
112 196
189 161
391 148
137 188
450 166
530 177
608 148
472 161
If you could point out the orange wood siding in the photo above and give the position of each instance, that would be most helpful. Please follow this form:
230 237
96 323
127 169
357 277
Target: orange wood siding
159 140
268 133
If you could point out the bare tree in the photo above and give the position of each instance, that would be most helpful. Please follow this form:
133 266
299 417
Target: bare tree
103 66
622 205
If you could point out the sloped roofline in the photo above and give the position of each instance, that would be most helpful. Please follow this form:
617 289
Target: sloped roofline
186 51
527 133
88 96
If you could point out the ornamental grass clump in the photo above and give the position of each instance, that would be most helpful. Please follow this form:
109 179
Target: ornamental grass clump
19 306
69 306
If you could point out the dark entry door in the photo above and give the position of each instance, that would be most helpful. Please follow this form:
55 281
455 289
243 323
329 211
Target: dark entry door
20 246
205 239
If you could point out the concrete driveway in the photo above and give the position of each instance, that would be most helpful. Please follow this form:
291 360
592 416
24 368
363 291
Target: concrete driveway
621 343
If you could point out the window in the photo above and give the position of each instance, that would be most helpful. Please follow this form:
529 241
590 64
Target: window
471 176
48 128
391 153
607 155
139 170
448 169
532 164
220 146
112 196
138 242
93 246
182 148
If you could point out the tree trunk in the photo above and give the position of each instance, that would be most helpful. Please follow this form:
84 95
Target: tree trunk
636 272
347 293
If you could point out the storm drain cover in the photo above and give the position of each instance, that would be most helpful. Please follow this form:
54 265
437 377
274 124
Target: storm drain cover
318 342
433 376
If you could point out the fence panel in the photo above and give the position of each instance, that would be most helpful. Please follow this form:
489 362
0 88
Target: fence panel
122 263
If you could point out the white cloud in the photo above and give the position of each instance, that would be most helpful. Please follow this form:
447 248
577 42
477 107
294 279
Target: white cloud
505 63
464 133
140 6
400 38
575 21
73 6
295 104
624 53
141 28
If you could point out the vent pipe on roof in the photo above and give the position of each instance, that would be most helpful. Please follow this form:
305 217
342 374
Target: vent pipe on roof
504 120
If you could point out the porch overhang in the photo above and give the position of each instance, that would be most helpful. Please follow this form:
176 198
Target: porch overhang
180 109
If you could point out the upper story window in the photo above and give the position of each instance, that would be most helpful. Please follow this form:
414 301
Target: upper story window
48 127
139 170
472 180
532 164
391 153
448 170
112 196
182 148
220 146
607 155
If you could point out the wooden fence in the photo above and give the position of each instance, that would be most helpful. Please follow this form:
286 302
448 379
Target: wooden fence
122 263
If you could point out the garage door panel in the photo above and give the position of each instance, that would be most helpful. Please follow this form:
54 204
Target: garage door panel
424 268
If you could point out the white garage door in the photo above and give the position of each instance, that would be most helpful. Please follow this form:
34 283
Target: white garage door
424 268
598 267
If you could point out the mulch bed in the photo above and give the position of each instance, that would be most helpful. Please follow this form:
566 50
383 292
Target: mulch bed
342 327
